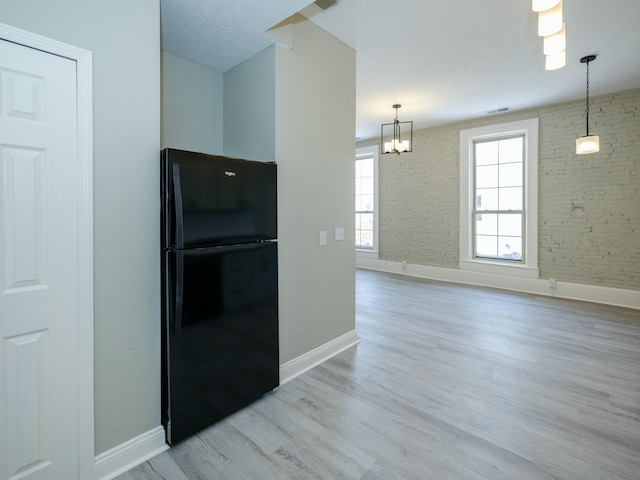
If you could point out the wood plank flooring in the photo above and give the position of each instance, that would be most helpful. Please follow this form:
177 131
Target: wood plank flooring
447 382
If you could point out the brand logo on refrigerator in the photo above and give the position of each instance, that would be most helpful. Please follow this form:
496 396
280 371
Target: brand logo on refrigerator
230 174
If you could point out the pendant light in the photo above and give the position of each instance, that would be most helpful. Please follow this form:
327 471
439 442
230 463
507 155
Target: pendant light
555 43
555 50
588 143
542 5
391 135
550 21
552 28
554 61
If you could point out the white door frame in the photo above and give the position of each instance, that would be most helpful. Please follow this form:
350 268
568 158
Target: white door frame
83 59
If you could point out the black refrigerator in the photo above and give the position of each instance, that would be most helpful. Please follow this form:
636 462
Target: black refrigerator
219 287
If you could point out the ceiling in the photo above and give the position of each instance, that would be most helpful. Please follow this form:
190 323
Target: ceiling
444 61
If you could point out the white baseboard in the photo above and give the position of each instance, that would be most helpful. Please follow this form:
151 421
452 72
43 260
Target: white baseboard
129 454
303 363
538 286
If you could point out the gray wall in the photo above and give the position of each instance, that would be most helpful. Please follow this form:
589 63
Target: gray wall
276 109
125 40
192 104
249 108
316 192
315 150
588 204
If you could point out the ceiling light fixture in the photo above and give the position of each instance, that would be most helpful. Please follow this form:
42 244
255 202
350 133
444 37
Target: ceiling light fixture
554 48
550 21
390 136
555 61
552 28
588 143
555 43
542 5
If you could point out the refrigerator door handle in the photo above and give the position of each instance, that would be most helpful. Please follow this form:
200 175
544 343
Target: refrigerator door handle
177 326
177 207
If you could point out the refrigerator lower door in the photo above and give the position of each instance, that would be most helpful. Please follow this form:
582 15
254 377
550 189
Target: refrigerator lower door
223 352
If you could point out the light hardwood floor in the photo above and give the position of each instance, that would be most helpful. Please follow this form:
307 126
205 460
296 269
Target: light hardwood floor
447 382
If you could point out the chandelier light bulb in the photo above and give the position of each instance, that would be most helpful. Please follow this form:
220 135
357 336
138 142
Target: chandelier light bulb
396 146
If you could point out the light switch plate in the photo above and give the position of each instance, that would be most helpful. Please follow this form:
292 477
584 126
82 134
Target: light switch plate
339 234
323 237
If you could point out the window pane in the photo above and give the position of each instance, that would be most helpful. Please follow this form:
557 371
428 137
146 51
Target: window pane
486 224
510 224
510 198
367 186
487 177
367 167
367 203
511 175
366 239
487 199
364 230
511 150
486 153
366 221
486 246
510 248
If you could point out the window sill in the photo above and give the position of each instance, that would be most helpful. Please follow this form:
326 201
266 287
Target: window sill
499 268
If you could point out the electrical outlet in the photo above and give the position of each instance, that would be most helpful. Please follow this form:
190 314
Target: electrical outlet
552 283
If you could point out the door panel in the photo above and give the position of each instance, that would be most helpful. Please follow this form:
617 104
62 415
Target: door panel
27 380
23 254
38 265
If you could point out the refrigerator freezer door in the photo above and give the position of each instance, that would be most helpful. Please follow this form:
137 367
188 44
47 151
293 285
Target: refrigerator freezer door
224 353
212 200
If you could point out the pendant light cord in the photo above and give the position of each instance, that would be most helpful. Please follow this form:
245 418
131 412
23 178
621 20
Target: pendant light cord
587 109
396 127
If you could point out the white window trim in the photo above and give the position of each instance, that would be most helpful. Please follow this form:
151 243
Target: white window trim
367 152
529 268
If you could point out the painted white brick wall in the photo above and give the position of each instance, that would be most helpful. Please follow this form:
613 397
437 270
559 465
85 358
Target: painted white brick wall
589 205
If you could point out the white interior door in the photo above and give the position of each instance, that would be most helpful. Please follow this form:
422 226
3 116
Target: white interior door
39 279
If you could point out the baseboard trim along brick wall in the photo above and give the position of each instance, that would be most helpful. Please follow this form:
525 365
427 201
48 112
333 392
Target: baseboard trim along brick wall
539 286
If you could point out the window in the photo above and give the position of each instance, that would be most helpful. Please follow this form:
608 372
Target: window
366 187
498 199
364 203
498 213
